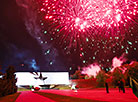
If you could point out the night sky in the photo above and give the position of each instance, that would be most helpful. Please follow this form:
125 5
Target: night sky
17 46
46 35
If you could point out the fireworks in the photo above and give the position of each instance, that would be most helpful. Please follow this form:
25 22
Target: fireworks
73 20
90 28
86 16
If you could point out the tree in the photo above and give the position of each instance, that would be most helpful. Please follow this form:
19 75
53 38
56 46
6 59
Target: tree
132 70
8 82
116 75
101 77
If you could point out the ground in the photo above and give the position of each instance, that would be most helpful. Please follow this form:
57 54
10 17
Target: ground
89 95
81 95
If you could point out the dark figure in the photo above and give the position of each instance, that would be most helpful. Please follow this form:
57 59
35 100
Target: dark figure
121 86
39 76
106 85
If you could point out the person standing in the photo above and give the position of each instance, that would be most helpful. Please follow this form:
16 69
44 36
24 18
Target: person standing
106 85
121 85
107 81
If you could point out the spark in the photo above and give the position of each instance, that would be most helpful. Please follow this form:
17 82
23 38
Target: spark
73 16
89 26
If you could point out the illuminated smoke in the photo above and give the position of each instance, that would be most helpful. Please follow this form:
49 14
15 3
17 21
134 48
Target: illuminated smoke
32 64
29 17
117 62
91 70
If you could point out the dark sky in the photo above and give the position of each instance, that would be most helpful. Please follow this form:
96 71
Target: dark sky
18 47
14 38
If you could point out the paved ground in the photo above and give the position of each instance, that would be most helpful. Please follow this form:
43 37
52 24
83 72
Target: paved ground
29 96
100 94
94 94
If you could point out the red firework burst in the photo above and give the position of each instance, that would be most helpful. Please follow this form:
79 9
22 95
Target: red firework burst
73 21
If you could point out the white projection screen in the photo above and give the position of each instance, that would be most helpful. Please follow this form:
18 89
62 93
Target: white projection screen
27 78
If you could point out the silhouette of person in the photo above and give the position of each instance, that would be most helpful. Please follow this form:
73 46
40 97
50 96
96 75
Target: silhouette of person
107 81
106 85
121 85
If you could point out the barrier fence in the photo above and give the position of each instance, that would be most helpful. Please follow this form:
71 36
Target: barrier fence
134 86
